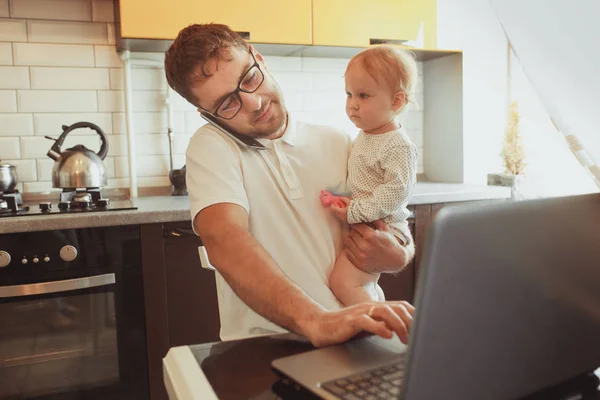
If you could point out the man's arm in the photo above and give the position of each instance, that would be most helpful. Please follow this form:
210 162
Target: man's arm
257 280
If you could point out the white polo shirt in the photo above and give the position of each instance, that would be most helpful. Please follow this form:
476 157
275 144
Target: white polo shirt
279 188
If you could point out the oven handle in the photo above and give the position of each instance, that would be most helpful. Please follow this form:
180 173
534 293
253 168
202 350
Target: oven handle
33 289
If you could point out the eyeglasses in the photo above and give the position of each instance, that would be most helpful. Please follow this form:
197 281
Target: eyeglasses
232 104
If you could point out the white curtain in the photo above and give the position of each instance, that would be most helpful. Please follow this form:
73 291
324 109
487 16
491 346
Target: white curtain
557 43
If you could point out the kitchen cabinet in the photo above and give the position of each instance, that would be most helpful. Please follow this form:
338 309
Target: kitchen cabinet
266 21
357 23
180 296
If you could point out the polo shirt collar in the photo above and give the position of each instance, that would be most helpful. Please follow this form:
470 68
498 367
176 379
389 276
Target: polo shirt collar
289 136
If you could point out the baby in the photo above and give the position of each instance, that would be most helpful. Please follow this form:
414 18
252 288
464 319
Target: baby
380 82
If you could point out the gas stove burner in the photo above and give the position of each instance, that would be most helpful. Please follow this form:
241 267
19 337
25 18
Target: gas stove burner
79 197
81 200
10 203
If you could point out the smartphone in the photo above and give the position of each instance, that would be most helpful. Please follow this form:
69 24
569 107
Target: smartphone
243 140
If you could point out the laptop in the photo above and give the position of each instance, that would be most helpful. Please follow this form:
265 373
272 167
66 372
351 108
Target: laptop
508 303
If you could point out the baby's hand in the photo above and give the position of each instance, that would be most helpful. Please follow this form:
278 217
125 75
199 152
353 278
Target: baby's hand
340 208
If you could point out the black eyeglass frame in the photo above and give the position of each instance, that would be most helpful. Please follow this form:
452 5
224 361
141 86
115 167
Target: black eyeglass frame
239 89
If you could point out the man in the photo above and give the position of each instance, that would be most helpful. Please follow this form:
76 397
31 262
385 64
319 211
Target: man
258 211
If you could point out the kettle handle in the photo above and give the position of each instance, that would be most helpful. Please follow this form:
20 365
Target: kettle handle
55 150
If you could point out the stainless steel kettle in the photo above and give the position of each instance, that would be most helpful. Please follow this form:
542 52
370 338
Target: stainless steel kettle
78 167
8 177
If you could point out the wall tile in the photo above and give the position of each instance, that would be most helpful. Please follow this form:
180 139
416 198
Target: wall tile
118 183
51 123
180 143
44 167
154 181
193 121
293 101
111 39
141 79
66 32
107 56
329 82
294 81
144 122
26 170
6 54
38 146
142 100
117 145
152 144
13 30
323 101
4 9
57 101
146 166
109 165
69 78
9 148
68 55
103 11
111 100
40 187
8 101
324 64
51 9
16 124
14 78
277 63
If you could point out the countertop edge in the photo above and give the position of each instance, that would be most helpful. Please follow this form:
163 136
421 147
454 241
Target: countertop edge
163 209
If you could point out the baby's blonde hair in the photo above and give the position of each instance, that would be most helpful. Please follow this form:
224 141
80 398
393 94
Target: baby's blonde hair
395 66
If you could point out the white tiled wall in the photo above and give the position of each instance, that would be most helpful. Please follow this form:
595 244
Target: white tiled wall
58 65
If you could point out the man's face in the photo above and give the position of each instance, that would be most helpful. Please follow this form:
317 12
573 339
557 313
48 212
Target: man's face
262 113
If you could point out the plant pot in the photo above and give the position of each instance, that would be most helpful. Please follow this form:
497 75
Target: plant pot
516 183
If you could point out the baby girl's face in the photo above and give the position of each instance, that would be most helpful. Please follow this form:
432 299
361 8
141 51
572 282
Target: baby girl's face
368 102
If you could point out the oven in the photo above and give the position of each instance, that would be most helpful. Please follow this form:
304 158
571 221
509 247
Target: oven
72 323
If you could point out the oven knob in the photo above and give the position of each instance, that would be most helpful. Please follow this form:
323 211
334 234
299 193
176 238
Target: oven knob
45 206
4 259
103 203
64 205
68 253
46 259
35 260
24 260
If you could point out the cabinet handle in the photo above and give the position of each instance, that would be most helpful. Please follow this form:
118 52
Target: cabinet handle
386 41
244 35
178 232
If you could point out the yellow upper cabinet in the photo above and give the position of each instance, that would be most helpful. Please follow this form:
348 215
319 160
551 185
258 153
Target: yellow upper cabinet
354 23
267 21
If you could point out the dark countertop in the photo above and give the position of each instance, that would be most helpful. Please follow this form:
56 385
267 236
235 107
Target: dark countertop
159 209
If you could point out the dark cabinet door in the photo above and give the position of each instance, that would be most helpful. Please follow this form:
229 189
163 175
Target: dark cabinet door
400 285
191 292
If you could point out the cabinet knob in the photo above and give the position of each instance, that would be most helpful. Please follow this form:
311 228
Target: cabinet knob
4 259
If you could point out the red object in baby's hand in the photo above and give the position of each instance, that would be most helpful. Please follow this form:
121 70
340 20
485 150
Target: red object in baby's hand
328 199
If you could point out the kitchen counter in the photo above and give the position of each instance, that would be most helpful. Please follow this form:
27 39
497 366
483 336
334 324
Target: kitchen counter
158 209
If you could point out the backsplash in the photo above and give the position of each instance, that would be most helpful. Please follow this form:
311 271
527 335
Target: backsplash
59 65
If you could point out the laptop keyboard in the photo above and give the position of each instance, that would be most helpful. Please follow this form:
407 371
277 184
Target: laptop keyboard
375 384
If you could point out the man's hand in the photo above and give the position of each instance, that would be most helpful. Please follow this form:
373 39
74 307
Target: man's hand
379 318
341 212
377 250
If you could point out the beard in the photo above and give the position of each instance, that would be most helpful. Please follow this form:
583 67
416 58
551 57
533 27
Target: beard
274 126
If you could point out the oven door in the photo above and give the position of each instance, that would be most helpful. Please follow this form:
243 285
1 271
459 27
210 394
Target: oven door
73 338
